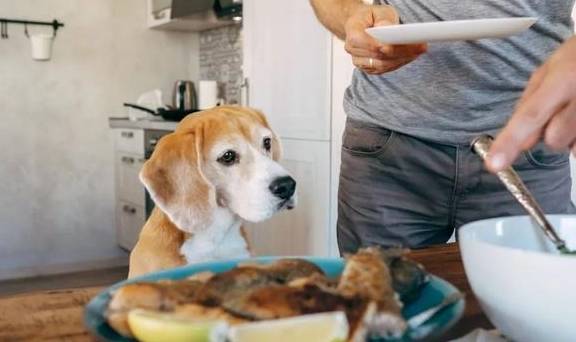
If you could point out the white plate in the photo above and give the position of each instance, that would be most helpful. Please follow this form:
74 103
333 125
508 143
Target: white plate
443 31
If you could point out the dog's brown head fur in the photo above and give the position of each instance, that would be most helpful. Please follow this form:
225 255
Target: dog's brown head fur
208 161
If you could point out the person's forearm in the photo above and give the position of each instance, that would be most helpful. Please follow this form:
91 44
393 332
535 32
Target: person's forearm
334 13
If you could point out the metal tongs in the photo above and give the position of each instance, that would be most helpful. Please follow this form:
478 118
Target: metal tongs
518 189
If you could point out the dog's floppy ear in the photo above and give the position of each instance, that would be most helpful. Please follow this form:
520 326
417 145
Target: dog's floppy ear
173 176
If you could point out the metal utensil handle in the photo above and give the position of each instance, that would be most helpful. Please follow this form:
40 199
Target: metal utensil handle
518 189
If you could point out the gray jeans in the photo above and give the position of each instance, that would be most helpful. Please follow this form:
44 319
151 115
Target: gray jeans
398 190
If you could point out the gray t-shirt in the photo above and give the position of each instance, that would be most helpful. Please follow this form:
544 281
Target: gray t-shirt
457 90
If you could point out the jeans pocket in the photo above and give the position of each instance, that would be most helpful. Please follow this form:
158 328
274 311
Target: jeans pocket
363 139
543 158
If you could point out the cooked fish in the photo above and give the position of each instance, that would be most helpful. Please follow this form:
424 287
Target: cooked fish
286 270
237 281
408 276
285 288
233 283
159 296
200 312
280 301
366 275
318 280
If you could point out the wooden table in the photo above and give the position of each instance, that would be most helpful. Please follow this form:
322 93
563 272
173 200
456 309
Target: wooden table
445 262
57 315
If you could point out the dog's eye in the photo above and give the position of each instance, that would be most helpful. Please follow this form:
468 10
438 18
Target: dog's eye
267 143
228 158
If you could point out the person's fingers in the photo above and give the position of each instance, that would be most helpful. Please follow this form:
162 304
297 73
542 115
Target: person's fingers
361 44
385 15
561 131
358 42
365 48
398 63
361 52
500 158
366 62
402 51
390 52
548 108
376 66
529 119
497 159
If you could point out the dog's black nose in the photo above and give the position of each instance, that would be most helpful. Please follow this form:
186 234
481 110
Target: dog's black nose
283 187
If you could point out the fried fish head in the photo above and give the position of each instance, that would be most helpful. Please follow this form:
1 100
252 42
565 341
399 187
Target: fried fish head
367 275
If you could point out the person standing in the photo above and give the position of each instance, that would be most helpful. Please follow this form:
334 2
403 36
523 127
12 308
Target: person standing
408 176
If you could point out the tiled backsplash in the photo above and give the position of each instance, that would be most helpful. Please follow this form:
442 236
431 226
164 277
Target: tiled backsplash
221 60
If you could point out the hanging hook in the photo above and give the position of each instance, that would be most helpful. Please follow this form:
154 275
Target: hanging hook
26 31
4 30
55 25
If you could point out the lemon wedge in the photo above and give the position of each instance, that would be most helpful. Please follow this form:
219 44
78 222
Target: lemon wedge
323 327
153 326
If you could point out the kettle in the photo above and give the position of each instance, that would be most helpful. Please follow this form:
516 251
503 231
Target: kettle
184 96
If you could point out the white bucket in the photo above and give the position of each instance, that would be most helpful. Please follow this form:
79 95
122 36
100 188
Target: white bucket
41 46
208 97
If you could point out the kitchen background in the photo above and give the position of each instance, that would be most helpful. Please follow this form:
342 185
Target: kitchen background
60 207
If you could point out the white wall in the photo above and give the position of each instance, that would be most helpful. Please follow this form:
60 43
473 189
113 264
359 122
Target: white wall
56 168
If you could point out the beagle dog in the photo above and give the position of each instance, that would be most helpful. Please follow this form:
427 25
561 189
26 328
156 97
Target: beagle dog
218 168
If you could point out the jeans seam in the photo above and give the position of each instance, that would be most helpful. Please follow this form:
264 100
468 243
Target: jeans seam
454 197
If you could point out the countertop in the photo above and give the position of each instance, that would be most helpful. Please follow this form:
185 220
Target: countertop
124 122
57 315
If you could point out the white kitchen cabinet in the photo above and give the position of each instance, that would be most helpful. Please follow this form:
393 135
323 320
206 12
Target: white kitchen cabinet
129 140
134 141
287 64
305 229
129 221
127 169
130 196
288 68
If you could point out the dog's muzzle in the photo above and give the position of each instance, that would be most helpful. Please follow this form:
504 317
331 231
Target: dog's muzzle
284 189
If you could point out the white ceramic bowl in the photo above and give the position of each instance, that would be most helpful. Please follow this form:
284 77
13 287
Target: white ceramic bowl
524 286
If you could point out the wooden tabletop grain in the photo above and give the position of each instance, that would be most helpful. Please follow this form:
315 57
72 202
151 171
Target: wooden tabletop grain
58 315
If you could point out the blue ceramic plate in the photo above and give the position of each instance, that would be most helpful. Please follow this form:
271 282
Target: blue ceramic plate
430 295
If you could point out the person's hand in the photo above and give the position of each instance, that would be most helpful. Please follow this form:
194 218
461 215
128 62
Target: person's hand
367 53
546 110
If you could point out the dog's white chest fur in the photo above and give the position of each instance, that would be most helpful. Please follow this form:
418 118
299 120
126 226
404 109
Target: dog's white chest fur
222 240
